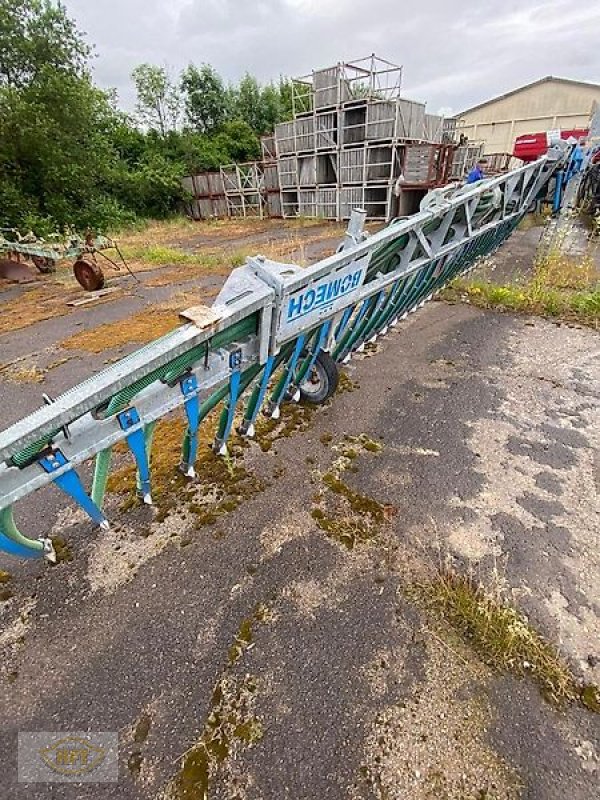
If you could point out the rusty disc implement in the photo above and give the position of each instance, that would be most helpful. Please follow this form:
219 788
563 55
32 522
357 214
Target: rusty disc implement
89 275
16 271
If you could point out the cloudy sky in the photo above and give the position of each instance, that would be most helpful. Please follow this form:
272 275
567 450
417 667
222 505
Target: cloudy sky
454 53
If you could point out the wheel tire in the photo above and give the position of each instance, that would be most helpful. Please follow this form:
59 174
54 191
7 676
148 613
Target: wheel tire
88 275
321 385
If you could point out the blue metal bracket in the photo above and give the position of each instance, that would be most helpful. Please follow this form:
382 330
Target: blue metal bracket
137 444
70 483
289 371
189 389
16 549
247 426
318 346
235 363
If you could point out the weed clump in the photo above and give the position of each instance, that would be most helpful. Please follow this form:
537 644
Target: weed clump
345 383
62 549
561 287
503 638
295 417
245 634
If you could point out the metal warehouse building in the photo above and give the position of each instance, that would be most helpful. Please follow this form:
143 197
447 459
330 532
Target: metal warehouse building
547 104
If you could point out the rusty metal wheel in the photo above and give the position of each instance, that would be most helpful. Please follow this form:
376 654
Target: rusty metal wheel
89 275
44 264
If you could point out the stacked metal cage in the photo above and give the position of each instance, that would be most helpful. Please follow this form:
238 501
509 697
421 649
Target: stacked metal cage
354 141
347 144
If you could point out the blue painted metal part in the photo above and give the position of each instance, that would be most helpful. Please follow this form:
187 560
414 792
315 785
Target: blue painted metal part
558 189
289 372
264 385
189 389
137 444
70 483
321 339
16 549
234 393
344 321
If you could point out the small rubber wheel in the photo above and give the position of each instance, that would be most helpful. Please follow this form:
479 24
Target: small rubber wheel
322 381
88 275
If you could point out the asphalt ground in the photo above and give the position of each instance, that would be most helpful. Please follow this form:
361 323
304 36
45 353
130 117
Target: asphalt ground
316 668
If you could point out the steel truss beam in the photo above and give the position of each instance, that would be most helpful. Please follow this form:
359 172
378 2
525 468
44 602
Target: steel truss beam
269 316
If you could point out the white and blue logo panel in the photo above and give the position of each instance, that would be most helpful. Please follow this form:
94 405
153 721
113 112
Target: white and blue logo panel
323 297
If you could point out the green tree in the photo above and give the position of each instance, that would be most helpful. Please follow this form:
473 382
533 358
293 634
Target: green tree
67 155
205 98
271 109
158 99
239 141
36 35
247 104
286 108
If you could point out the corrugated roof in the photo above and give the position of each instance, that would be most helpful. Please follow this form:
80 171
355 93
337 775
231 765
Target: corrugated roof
547 79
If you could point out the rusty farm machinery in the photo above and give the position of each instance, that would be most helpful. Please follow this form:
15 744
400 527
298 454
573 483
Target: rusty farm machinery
275 333
17 249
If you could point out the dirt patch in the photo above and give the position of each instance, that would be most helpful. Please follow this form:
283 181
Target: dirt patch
144 327
36 305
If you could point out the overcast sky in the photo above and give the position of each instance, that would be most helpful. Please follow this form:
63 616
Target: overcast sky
454 53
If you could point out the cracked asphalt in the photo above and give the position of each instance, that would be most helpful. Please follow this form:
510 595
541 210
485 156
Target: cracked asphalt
490 432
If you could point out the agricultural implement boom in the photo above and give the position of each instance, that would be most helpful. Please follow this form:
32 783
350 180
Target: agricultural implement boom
274 333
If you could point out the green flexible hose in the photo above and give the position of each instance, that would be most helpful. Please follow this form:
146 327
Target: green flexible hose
8 527
167 373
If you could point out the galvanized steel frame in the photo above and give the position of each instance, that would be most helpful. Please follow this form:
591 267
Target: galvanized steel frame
410 260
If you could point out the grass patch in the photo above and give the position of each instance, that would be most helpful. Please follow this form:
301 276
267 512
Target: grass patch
582 307
503 638
142 328
562 286
158 255
145 326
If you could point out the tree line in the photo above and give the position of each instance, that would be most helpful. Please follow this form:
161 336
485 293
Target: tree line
69 156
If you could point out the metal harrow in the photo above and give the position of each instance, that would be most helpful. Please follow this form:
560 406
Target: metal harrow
275 332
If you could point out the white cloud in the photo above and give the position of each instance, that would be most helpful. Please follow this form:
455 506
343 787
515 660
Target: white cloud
454 54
